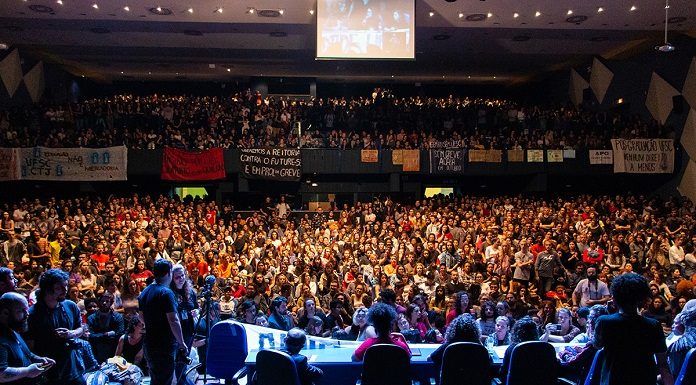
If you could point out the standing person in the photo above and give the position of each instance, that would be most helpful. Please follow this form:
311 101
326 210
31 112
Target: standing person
54 329
163 336
186 302
546 263
18 365
591 291
631 360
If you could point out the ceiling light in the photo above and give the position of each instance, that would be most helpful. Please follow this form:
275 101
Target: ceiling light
281 11
95 6
60 2
489 14
121 72
600 10
229 70
314 184
149 73
570 12
190 10
126 8
311 12
461 14
537 14
219 10
515 15
431 13
633 8
159 9
251 11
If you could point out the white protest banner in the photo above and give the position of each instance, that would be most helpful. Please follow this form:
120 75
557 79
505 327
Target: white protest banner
643 156
73 164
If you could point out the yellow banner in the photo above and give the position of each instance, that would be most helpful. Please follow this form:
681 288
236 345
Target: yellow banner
477 155
535 155
515 155
411 160
397 157
369 156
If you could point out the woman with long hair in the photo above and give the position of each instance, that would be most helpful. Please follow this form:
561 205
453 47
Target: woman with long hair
489 313
187 305
461 305
129 298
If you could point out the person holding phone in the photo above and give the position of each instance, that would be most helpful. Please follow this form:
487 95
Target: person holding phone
17 363
563 331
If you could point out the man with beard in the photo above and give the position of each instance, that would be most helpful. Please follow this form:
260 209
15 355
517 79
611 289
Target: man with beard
280 319
591 291
54 327
17 364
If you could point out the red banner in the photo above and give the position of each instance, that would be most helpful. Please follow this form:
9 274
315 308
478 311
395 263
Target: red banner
185 165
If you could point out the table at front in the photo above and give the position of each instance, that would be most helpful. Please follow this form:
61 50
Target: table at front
339 369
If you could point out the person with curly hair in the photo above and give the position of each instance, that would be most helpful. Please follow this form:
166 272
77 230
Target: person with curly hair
631 360
525 329
463 328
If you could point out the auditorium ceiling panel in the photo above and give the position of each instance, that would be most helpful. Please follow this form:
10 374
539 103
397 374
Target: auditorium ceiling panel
463 41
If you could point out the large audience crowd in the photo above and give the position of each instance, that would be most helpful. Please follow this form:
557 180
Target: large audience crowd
378 121
495 259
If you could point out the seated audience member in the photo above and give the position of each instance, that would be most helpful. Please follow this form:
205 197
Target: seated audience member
381 316
279 318
564 331
294 342
461 306
105 328
463 328
677 350
631 360
501 336
247 312
677 330
360 330
130 345
576 361
315 328
525 329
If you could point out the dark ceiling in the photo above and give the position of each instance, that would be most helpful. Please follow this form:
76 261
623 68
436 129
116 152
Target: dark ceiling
110 43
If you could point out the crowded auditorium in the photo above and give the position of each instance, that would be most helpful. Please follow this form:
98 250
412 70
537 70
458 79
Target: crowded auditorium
329 192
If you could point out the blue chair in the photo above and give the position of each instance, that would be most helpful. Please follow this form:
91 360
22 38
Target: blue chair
533 363
227 350
465 360
274 367
687 374
386 364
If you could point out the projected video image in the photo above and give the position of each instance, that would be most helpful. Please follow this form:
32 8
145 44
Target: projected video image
365 29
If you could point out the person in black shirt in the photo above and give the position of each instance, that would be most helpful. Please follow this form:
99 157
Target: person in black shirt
17 364
280 319
294 342
158 309
634 346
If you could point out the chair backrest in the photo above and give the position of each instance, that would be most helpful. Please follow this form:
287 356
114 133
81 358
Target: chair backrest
465 360
594 375
687 374
227 349
274 367
533 362
386 364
